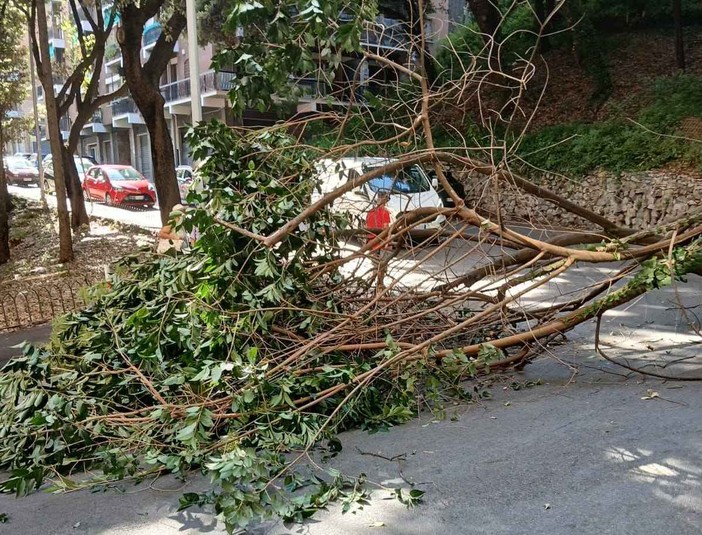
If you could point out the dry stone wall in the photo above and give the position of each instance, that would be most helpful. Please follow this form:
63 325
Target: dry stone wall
634 200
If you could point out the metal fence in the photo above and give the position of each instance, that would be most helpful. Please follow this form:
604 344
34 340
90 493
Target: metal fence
41 303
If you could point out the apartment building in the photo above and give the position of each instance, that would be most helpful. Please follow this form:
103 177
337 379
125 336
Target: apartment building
117 132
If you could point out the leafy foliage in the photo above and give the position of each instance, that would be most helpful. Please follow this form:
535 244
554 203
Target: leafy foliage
183 361
281 42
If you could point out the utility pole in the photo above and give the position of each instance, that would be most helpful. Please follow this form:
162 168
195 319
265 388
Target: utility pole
194 60
37 128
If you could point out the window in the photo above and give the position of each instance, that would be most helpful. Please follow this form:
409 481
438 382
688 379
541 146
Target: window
408 180
123 173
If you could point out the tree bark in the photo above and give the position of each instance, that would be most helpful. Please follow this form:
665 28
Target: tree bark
74 189
46 77
679 43
143 81
4 223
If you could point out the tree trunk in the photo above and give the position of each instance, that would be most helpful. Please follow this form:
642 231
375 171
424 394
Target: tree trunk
487 16
541 14
679 43
79 216
143 82
4 224
46 77
163 160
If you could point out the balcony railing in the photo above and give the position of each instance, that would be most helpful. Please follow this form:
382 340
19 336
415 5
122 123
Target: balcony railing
123 106
96 118
209 82
176 90
55 33
216 81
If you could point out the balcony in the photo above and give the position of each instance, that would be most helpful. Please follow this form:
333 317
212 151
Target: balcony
125 113
65 127
56 39
386 34
149 38
94 126
315 94
213 82
176 91
214 87
113 58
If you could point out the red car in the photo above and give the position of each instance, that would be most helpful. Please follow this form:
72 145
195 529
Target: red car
118 184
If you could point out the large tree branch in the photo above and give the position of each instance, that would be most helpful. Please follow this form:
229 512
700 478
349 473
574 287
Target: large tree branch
79 27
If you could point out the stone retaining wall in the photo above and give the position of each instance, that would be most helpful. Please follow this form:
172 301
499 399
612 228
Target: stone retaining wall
634 200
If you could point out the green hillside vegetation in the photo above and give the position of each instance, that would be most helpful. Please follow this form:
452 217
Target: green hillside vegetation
649 140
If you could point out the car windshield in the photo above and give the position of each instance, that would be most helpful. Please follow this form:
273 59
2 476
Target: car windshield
19 163
408 180
123 173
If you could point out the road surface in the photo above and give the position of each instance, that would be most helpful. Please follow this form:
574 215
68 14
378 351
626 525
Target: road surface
145 218
585 452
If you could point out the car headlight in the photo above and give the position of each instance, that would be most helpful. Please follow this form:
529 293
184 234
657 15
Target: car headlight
117 188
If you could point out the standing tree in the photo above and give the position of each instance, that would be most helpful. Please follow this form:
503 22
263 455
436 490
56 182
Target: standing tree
13 79
81 89
143 81
36 13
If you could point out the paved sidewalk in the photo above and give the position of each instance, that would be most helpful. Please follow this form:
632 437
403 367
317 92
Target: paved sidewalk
37 335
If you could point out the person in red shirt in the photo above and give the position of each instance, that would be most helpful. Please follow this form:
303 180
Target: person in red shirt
378 217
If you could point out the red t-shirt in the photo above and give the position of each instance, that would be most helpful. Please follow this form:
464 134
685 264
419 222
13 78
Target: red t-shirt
378 217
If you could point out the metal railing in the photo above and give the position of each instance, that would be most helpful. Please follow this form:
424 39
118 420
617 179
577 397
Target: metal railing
41 303
55 33
176 90
209 81
216 81
96 117
123 106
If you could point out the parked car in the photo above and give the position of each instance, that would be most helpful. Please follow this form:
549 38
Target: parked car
185 176
25 155
119 185
82 165
455 184
408 189
20 171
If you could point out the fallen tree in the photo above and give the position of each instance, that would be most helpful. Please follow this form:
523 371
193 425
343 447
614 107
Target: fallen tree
274 333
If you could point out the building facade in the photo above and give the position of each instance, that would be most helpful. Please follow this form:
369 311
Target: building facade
117 132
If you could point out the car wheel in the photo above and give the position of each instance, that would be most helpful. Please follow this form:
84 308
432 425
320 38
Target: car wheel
108 199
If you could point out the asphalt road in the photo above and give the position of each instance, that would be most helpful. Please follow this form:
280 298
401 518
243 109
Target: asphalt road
145 218
587 451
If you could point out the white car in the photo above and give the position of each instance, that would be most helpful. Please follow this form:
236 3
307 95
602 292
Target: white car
185 176
409 189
